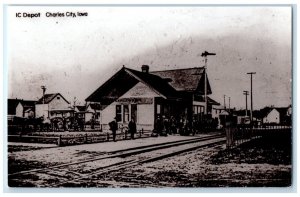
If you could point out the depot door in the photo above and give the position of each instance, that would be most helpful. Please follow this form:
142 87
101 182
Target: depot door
133 112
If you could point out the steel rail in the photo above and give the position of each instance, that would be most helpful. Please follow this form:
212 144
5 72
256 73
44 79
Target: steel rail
132 163
125 153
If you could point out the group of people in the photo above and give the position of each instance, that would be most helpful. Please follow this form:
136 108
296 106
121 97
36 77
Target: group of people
64 124
164 126
113 126
182 125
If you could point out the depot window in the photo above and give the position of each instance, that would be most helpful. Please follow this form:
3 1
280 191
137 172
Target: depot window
125 113
118 113
158 109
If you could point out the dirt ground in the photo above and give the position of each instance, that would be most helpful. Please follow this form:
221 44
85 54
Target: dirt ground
195 169
253 164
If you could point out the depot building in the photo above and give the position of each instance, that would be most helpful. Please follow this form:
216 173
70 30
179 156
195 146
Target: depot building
144 95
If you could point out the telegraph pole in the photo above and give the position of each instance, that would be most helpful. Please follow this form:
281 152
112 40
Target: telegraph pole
224 102
246 93
251 110
205 54
229 103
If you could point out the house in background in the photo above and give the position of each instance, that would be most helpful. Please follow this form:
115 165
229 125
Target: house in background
220 113
12 110
271 116
93 111
223 116
20 108
80 111
28 108
53 105
276 115
145 96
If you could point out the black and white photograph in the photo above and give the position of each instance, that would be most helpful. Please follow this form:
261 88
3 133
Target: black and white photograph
156 96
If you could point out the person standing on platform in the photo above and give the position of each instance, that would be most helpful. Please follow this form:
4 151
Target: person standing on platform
159 125
132 128
114 127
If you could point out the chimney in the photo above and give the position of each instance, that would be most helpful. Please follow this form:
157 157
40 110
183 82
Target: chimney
44 90
145 68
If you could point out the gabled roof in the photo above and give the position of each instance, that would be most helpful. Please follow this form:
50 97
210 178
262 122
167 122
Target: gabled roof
124 80
13 103
266 110
168 84
28 104
210 101
224 112
155 82
282 110
80 107
95 106
49 98
189 79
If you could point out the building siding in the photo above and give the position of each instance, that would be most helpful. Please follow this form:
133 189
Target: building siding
58 103
145 111
140 90
272 117
19 110
41 110
145 116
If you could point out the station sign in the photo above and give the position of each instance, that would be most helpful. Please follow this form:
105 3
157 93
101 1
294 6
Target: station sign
135 100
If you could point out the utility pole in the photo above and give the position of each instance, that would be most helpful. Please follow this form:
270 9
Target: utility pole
246 93
251 110
229 103
224 102
205 54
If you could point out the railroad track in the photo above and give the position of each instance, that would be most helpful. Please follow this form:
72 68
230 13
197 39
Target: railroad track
126 154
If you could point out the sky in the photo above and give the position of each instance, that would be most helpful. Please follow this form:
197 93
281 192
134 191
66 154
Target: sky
74 56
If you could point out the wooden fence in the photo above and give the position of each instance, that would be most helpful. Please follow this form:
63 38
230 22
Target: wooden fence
69 139
238 135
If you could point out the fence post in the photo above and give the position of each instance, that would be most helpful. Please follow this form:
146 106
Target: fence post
107 136
85 138
20 137
59 140
229 137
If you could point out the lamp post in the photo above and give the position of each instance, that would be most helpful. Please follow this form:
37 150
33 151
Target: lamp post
251 113
205 54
